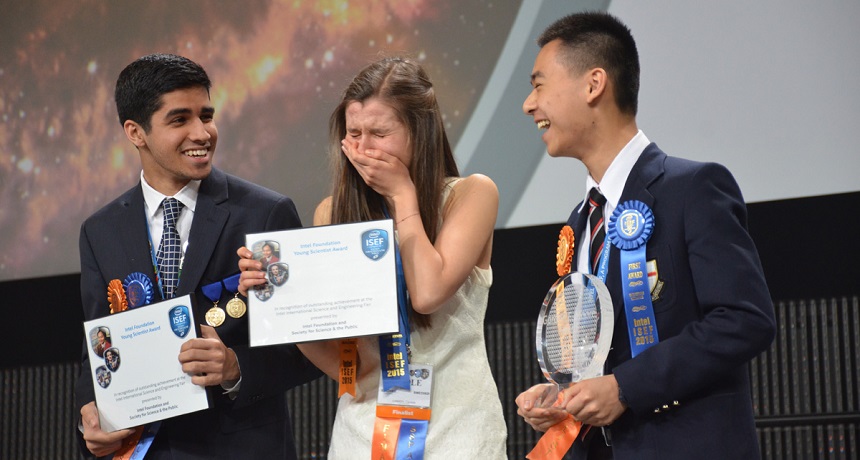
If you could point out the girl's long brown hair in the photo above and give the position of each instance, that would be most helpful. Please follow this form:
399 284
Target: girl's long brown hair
404 86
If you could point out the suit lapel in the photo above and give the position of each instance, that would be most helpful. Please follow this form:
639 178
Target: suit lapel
133 234
209 218
648 168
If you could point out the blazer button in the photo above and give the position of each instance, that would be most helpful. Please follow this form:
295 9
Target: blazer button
676 403
657 410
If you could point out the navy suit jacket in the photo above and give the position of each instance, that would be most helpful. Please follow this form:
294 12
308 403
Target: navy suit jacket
114 243
689 395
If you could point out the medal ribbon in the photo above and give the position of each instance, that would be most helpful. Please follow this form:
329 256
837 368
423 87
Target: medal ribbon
235 307
212 291
630 227
231 283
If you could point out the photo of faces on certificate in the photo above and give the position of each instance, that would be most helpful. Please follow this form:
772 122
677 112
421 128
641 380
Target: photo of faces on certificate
277 272
100 339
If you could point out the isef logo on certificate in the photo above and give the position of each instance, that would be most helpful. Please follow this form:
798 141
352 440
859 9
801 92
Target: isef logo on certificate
374 243
179 321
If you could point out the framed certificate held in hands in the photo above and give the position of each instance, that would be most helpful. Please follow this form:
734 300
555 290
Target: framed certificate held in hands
324 283
134 361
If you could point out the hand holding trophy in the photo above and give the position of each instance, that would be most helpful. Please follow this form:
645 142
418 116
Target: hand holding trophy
574 333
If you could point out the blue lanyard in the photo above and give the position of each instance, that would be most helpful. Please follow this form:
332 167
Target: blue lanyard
394 348
402 291
603 265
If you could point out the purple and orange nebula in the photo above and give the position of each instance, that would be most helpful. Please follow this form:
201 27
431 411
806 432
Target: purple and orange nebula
278 68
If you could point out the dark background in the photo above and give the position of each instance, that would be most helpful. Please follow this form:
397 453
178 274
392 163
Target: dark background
810 248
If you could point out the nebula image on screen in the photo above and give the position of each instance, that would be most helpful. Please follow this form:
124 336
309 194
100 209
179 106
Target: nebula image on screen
278 69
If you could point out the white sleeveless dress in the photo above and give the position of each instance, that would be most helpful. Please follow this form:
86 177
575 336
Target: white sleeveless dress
466 420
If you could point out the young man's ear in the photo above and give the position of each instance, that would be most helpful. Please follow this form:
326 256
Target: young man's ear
135 133
597 81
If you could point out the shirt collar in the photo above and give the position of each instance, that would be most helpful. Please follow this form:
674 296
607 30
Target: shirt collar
612 185
153 198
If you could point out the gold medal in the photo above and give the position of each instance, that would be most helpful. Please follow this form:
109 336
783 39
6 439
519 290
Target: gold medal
236 307
215 316
564 256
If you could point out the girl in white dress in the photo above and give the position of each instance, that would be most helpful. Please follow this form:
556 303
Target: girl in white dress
392 158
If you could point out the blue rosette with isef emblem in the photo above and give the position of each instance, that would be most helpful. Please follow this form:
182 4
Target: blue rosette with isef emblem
629 229
138 289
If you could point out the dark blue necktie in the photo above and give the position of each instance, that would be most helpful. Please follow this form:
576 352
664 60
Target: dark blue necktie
170 249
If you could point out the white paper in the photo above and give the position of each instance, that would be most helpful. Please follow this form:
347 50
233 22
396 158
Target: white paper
146 383
340 282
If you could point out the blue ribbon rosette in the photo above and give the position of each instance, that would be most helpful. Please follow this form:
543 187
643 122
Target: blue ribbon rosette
138 289
629 229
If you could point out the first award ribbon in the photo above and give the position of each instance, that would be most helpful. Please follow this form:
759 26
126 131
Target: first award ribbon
629 229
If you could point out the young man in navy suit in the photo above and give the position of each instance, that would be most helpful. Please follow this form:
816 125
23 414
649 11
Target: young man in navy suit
679 389
165 111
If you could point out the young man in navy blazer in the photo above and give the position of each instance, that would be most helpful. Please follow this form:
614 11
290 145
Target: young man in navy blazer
681 391
165 111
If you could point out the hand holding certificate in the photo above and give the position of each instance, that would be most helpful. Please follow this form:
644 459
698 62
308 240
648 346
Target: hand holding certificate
137 376
324 283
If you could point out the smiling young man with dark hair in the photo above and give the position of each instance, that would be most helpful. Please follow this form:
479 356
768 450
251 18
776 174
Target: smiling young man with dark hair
691 304
165 111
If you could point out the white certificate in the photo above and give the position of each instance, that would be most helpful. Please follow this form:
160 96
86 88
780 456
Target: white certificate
324 283
135 367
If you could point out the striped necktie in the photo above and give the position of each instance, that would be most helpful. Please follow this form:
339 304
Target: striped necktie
595 224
